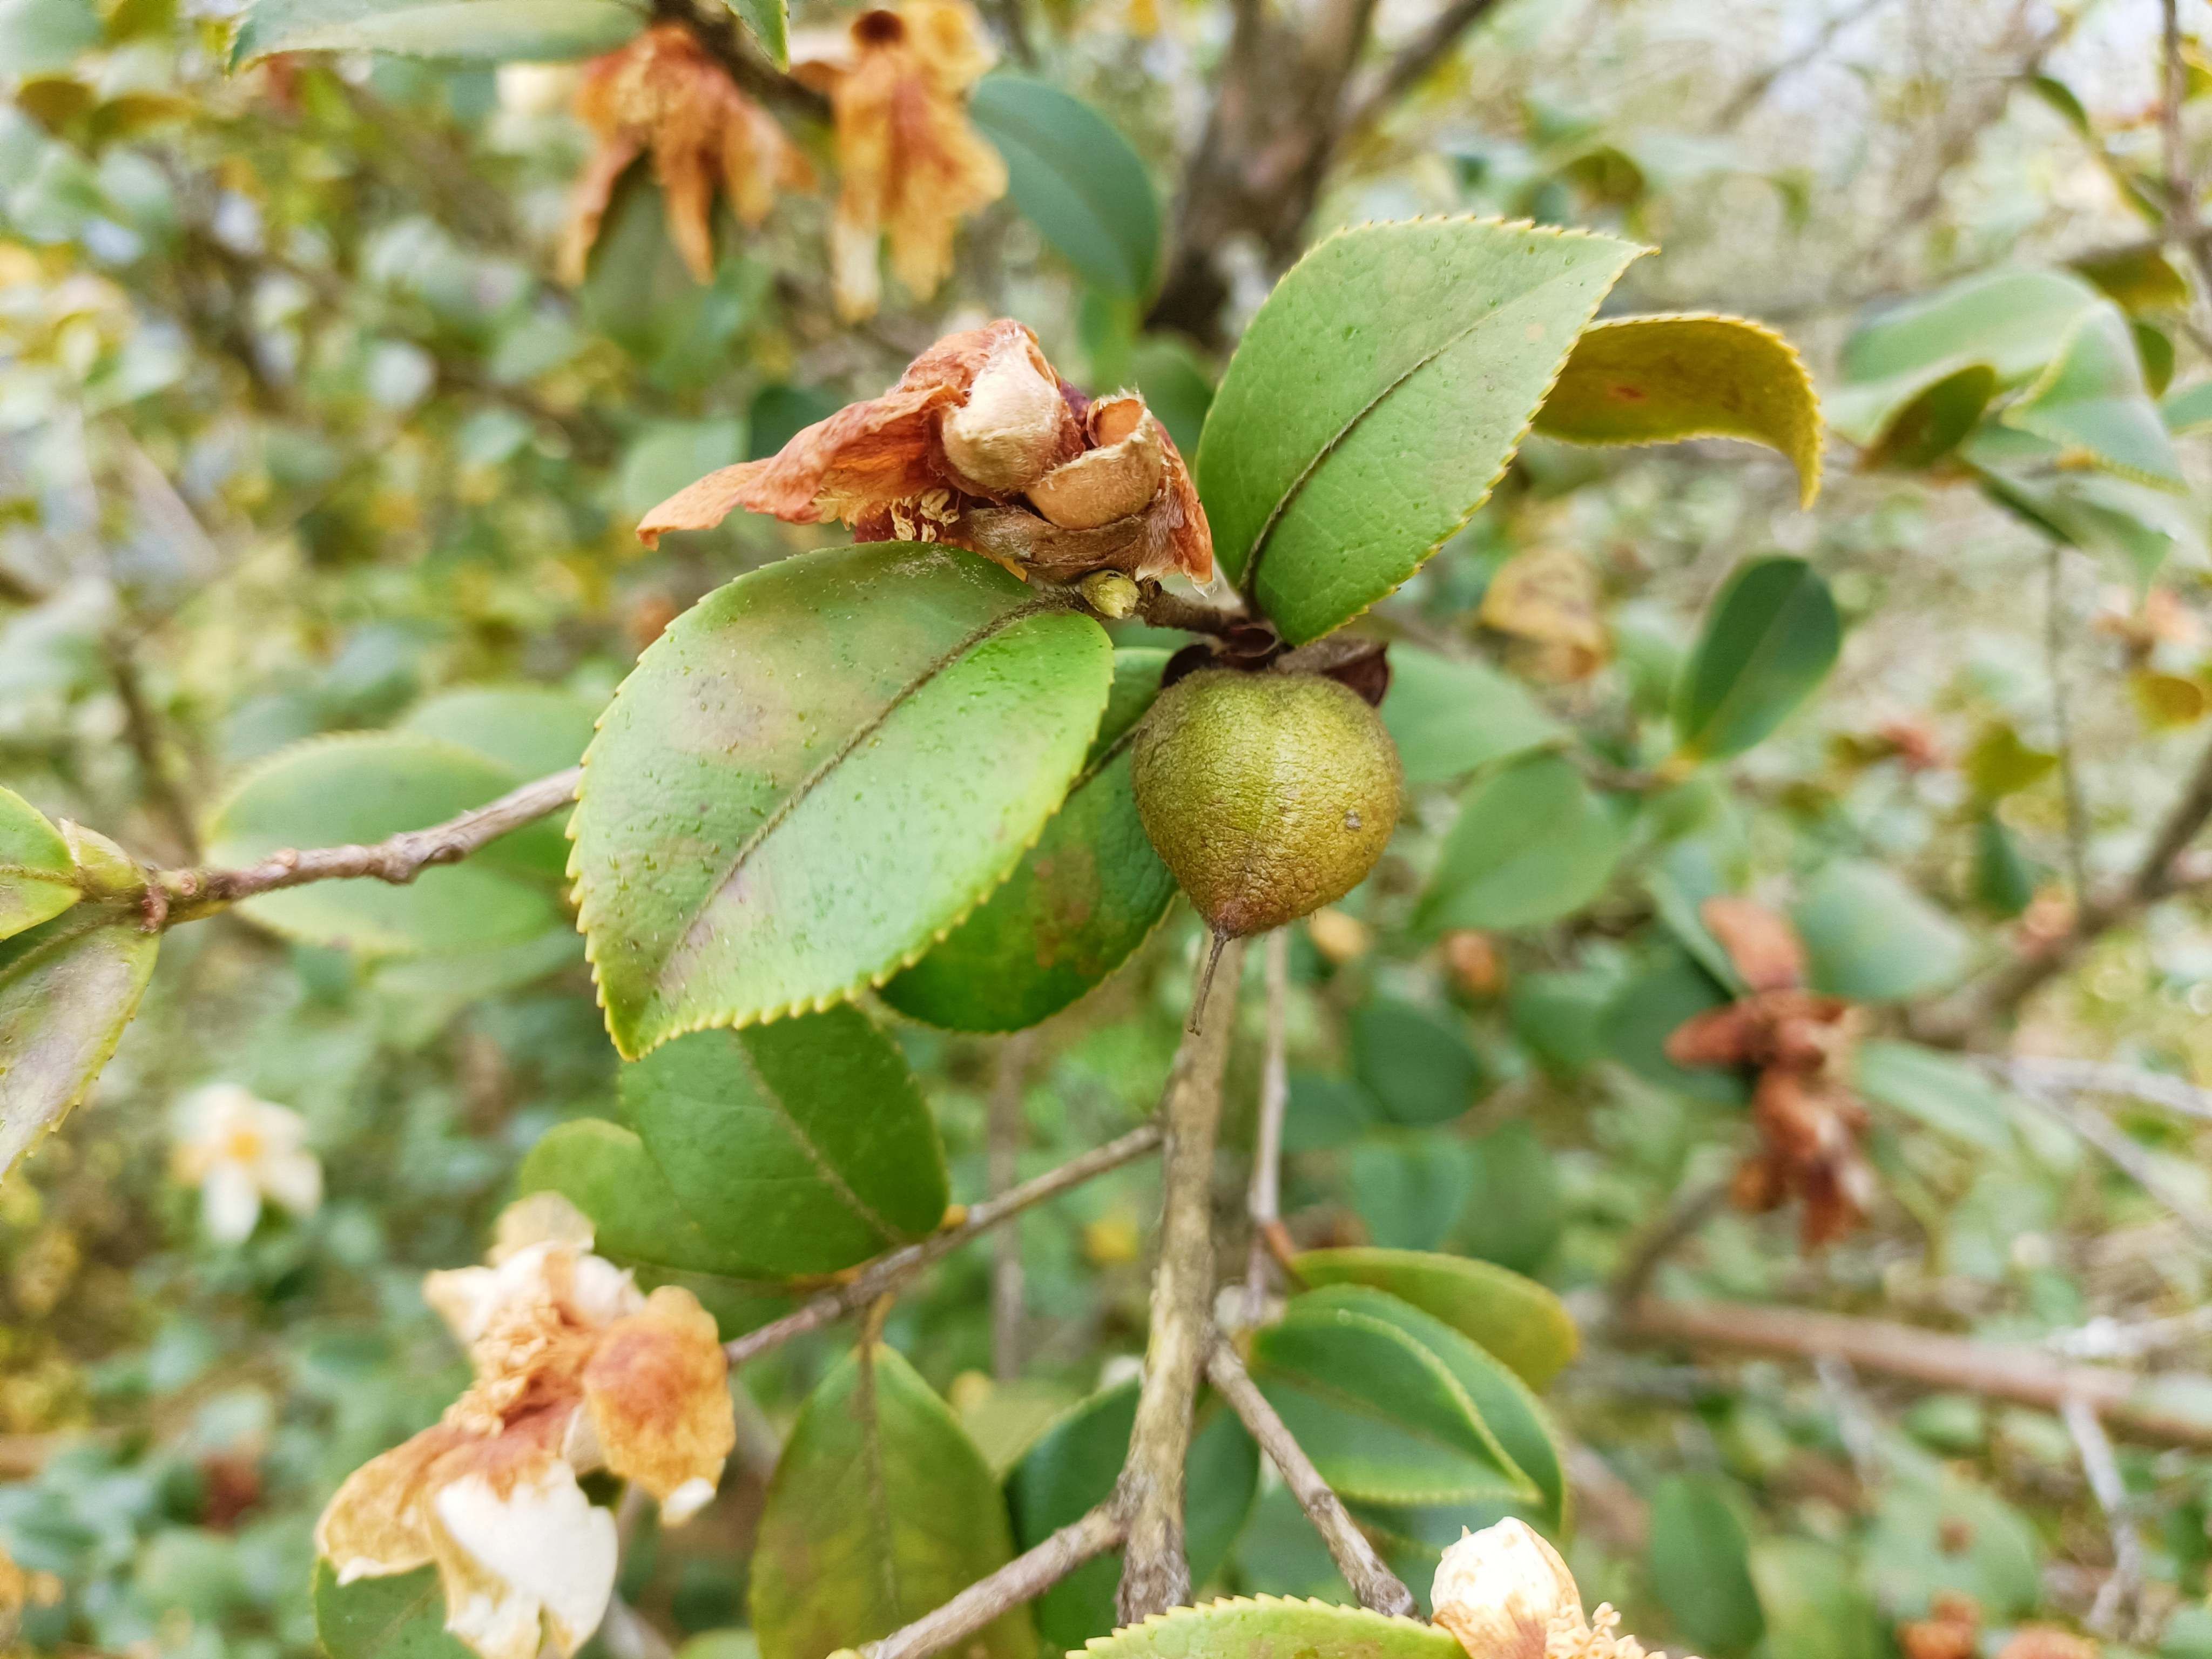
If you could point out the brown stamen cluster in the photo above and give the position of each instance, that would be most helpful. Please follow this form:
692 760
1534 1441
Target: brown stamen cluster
1799 1043
980 445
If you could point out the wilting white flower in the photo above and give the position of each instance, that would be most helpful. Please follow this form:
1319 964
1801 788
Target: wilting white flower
240 1150
575 1369
1505 1594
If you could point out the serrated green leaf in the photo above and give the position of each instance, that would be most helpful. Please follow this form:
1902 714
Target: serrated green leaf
1076 906
1076 178
1872 939
1770 637
815 774
399 1617
527 31
794 1148
880 1510
1508 1408
1266 1627
1452 715
2091 399
1700 1565
63 1003
1514 1318
1073 1466
1378 395
38 878
334 792
1383 1417
1662 379
1532 843
531 730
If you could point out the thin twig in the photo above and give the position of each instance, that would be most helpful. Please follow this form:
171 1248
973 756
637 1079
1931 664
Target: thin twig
1374 1583
197 892
2119 1590
2167 1409
1024 1578
887 1272
1265 1201
1164 609
1412 62
1765 82
717 30
1690 1210
1003 1134
1155 1573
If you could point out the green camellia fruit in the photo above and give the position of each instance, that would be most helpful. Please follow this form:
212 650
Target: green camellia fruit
1268 795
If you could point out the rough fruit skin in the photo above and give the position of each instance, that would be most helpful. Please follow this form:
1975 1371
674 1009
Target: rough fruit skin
1268 795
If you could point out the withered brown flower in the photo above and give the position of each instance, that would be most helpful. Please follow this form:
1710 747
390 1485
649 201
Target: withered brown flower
1505 1594
663 92
1799 1043
980 445
910 165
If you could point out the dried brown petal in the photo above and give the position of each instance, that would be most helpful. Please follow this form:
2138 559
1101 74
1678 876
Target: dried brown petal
657 1390
1112 481
1763 947
1009 430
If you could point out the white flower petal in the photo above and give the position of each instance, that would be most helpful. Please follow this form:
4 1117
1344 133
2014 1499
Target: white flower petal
465 1298
230 1203
496 1619
295 1180
686 1501
545 1540
603 1292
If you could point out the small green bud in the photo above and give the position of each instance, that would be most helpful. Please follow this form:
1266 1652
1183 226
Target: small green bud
1110 594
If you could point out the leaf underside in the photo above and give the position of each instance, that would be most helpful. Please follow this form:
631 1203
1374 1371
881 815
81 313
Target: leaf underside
63 1004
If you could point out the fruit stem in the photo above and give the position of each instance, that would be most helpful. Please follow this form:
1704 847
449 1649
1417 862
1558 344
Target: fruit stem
1197 1024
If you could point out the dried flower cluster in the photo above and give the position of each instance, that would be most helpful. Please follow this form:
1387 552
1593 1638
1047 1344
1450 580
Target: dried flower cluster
980 445
1505 1594
910 166
1952 1630
575 1369
662 93
1799 1043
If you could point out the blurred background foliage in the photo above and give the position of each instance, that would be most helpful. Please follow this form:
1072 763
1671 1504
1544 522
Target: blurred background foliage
297 436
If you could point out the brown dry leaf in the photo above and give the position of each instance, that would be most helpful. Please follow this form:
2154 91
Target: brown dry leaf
910 165
1763 945
663 94
980 445
1549 597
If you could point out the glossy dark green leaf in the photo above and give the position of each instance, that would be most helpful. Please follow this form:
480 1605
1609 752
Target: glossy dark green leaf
1770 637
1450 716
881 1509
330 792
64 1000
401 1617
1533 843
1508 1316
816 774
798 1147
1075 178
1250 1628
1076 906
1383 1419
1074 1465
1378 395
1868 936
1325 1111
38 878
1505 1404
2004 881
1416 1062
1700 1565
1559 1015
1177 387
532 31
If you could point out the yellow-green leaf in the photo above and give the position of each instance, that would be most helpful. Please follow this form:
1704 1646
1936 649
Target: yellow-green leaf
1662 379
1514 1318
2091 399
38 878
63 1004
